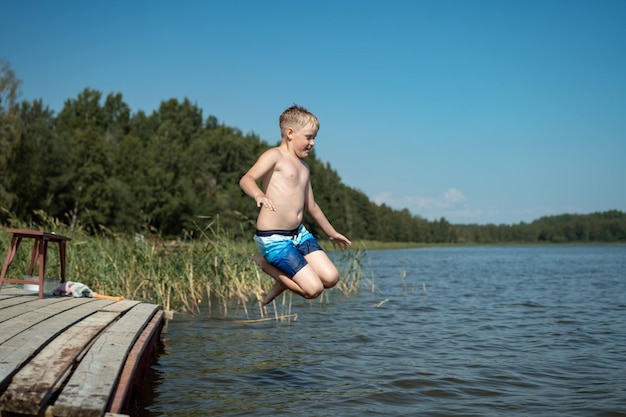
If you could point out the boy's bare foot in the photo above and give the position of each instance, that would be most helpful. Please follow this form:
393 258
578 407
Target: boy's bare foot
274 292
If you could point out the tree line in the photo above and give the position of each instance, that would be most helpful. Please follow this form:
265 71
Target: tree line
97 164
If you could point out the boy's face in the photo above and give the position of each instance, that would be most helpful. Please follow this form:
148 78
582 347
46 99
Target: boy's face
303 140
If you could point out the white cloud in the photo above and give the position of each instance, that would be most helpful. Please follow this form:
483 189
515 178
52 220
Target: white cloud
454 206
448 199
453 196
383 198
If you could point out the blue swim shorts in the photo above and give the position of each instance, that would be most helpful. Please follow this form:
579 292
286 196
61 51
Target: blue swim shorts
285 249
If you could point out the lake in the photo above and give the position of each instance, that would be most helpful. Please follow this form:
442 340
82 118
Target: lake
470 331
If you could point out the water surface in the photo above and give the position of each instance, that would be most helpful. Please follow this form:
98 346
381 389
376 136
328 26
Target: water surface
494 331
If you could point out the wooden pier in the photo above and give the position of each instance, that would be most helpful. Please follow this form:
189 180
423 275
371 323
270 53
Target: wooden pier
71 357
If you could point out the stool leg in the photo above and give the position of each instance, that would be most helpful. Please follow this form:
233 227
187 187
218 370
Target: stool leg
15 243
33 256
62 259
42 264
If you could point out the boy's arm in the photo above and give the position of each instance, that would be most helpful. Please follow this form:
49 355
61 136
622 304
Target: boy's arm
319 217
248 182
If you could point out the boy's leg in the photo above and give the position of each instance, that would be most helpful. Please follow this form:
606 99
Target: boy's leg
324 268
276 290
307 279
282 283
305 283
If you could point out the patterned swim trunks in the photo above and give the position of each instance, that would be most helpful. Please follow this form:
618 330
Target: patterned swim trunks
285 249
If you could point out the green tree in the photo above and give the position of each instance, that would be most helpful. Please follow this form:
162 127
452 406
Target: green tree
9 92
10 87
26 173
86 191
99 164
176 125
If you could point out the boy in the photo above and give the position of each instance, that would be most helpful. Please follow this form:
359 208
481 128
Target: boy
288 252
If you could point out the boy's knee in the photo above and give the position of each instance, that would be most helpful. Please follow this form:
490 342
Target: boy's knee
313 291
329 276
331 281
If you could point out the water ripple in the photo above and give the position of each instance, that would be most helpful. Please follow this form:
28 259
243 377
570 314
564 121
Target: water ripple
498 332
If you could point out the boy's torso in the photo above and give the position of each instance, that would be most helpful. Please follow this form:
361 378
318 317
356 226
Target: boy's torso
286 185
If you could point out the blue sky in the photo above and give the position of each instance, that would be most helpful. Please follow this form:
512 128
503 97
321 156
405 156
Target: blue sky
479 111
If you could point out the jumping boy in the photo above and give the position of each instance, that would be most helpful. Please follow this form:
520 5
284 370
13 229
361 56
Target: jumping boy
288 251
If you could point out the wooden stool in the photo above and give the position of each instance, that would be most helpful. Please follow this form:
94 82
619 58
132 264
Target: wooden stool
40 247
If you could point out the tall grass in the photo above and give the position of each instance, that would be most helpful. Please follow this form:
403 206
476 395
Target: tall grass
209 273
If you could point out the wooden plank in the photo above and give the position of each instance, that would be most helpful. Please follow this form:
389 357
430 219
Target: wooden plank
22 305
37 381
44 309
27 343
12 290
11 300
120 306
5 296
88 391
141 350
50 413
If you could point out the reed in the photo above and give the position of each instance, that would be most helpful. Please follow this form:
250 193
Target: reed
208 272
350 265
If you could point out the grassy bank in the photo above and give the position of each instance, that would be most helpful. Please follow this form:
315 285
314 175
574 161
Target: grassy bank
211 270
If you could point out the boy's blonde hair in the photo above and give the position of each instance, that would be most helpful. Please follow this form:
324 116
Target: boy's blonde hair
297 116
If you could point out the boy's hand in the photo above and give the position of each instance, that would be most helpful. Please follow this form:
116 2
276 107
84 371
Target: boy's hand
340 241
263 201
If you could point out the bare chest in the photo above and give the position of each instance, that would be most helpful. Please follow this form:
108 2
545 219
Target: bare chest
292 173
